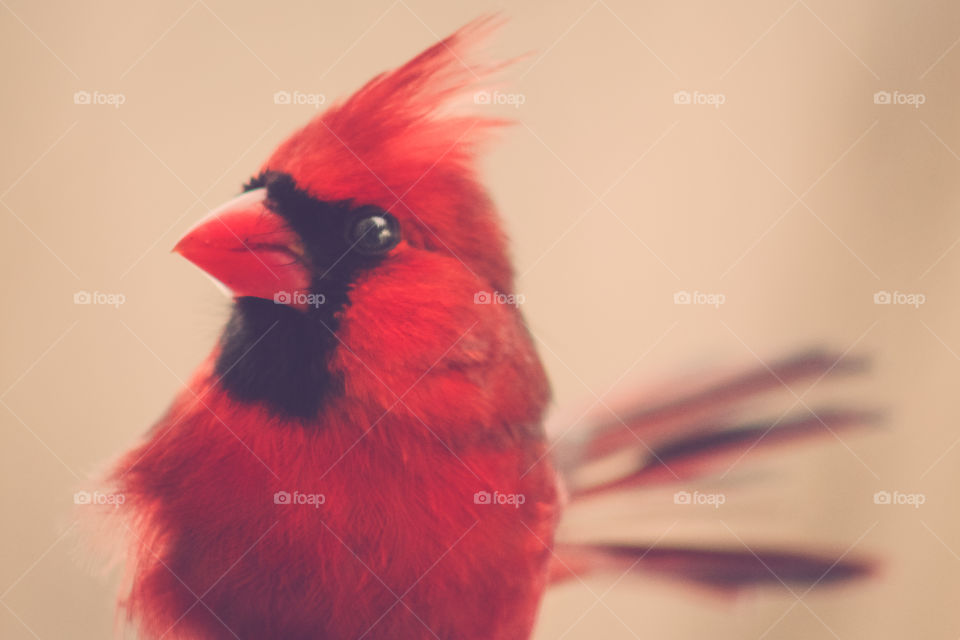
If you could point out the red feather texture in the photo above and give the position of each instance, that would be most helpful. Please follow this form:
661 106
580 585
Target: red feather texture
421 501
442 399
398 143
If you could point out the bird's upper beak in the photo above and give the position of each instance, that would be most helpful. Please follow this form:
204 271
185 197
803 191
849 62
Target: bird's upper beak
249 249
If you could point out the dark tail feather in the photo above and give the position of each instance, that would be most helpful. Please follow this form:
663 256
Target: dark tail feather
693 435
722 570
712 448
664 420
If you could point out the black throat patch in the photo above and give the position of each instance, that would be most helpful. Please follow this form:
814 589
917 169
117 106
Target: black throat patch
277 355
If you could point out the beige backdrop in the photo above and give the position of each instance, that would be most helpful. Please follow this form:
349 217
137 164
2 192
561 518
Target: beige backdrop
798 198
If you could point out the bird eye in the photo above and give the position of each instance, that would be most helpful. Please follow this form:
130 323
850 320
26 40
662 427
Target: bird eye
373 234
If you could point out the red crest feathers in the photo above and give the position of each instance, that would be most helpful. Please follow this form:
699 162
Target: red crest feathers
398 143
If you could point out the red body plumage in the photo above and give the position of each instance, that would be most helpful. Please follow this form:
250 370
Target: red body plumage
399 517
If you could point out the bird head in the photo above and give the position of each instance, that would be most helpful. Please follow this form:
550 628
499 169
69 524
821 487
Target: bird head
371 215
378 178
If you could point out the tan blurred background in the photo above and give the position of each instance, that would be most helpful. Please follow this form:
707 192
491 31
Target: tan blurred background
797 198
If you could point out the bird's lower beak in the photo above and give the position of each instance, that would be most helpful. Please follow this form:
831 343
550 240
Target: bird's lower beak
249 249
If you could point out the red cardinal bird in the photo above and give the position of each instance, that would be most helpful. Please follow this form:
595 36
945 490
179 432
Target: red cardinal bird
363 454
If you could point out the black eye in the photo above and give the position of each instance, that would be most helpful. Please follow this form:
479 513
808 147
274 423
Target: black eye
373 233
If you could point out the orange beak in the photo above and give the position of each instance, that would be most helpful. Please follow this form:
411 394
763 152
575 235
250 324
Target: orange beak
249 249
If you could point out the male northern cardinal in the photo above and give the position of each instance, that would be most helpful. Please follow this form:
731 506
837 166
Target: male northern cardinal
363 454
